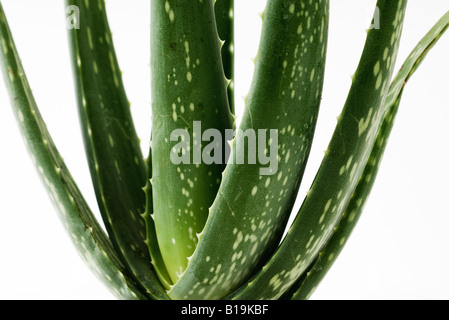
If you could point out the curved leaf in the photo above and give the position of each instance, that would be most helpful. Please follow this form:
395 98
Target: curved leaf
343 163
254 201
189 98
306 286
117 167
151 241
224 15
86 234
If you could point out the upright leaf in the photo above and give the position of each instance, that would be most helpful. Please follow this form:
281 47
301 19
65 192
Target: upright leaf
224 14
189 98
343 164
254 201
86 234
115 159
151 241
307 285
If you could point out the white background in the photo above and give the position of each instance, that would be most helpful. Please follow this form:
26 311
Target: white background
399 250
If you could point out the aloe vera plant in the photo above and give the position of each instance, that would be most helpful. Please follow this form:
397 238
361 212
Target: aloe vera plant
197 230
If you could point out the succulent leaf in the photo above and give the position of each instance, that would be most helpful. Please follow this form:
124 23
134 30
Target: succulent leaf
188 88
201 218
343 163
151 241
254 200
85 232
113 150
224 15
307 285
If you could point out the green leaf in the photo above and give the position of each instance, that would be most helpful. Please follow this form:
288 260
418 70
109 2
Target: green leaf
151 241
343 164
116 163
86 234
254 201
306 286
224 15
188 87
